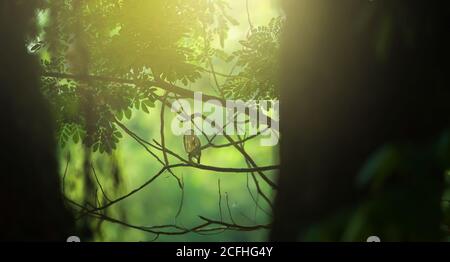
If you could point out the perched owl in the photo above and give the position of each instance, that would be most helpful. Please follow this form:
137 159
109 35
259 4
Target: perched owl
192 146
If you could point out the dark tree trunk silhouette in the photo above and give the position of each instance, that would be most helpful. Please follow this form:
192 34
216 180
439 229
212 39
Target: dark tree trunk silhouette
350 85
32 204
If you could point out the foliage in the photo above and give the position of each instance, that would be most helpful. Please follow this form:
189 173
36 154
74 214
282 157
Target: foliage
141 41
257 79
105 62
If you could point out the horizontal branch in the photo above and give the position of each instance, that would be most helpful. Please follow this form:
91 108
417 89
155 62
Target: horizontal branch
234 170
181 92
203 167
200 166
173 229
236 226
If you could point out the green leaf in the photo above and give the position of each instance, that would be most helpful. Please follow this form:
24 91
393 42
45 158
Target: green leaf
95 147
118 134
128 113
119 115
144 108
76 137
149 103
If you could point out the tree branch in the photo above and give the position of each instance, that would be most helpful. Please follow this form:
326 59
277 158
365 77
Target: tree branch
181 92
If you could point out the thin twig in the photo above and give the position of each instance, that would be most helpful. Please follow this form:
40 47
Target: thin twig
180 207
229 209
220 200
98 183
65 173
248 14
163 141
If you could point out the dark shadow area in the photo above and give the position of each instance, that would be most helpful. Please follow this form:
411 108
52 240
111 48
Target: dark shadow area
364 109
32 204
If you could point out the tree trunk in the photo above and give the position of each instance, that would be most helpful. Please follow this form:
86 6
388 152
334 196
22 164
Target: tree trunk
32 207
356 76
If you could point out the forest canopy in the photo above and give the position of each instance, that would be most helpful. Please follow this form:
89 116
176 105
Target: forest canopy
109 65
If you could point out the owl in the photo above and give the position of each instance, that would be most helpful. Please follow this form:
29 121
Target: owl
192 146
